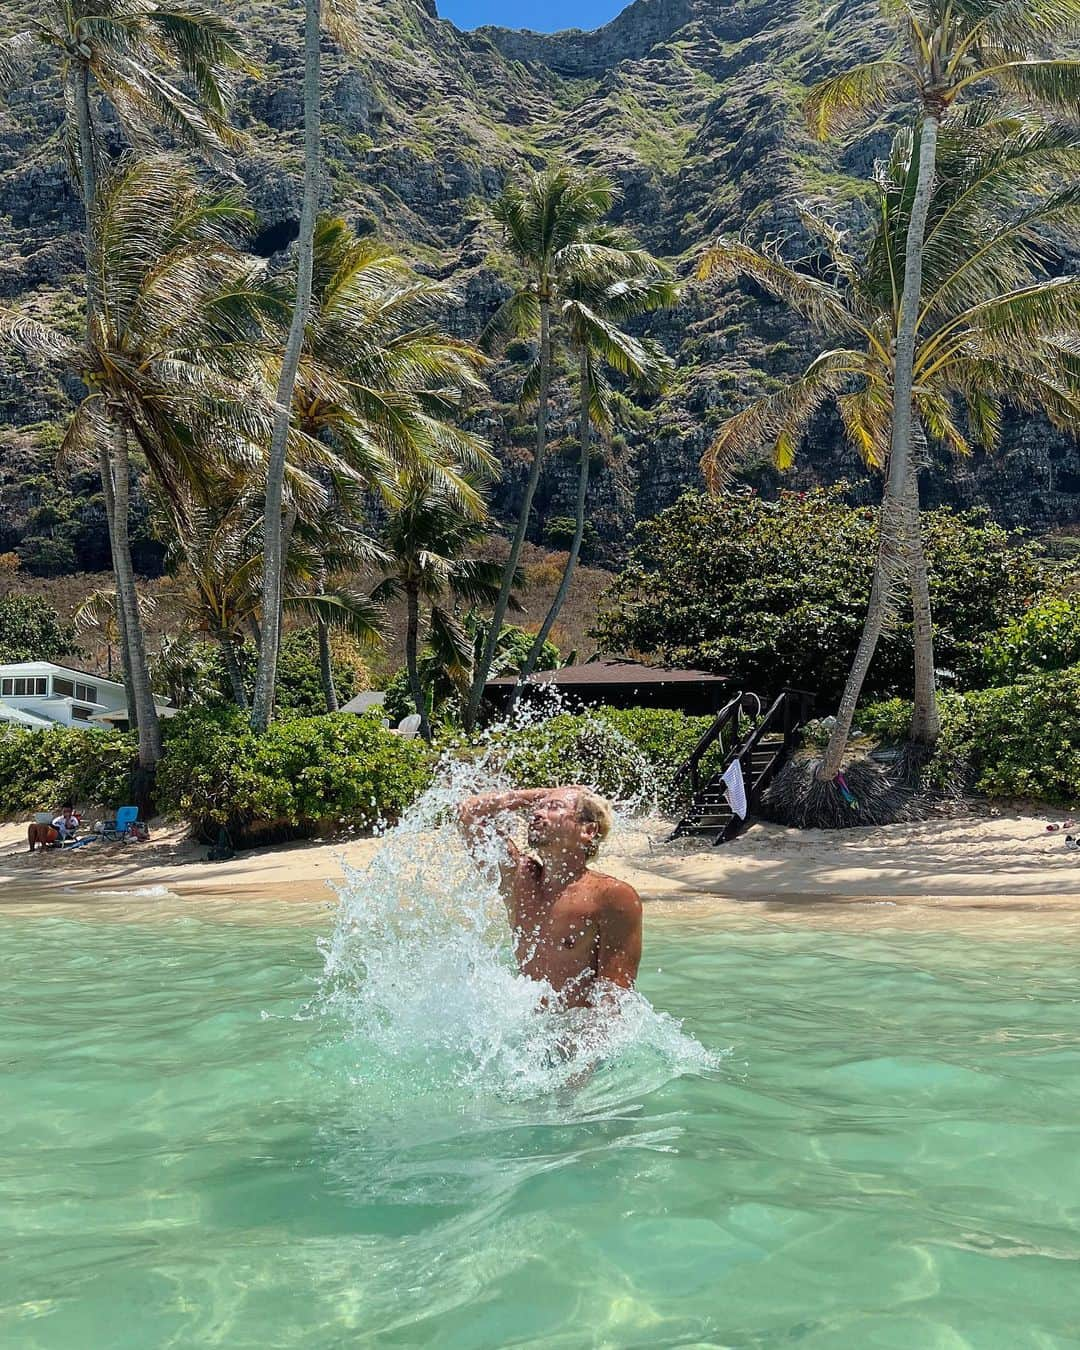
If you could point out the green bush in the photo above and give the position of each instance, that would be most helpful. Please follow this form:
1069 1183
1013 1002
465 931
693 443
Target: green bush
40 770
304 776
1019 740
31 631
625 753
775 592
1046 637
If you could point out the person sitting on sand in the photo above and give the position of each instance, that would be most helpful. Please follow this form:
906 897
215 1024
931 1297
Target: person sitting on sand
65 826
577 930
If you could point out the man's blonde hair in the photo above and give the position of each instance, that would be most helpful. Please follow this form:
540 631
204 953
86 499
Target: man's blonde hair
593 809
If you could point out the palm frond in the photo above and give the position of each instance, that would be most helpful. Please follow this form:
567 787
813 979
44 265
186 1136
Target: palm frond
842 102
349 612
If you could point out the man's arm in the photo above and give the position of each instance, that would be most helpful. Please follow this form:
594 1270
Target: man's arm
478 817
620 936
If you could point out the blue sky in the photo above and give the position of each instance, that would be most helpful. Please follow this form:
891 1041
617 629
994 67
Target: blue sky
545 16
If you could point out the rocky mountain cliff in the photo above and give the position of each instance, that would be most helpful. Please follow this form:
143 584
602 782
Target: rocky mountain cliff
692 106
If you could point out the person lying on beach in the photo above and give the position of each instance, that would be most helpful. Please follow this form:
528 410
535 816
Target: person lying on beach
578 930
65 826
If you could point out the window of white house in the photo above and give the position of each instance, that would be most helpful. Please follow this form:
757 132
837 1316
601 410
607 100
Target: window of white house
23 688
87 691
64 688
80 713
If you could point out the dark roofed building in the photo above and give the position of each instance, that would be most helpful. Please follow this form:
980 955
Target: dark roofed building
620 683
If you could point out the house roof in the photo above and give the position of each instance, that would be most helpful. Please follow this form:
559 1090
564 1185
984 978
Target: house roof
24 719
25 667
368 698
613 670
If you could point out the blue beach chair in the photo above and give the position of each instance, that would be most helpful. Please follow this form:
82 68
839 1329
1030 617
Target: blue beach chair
117 830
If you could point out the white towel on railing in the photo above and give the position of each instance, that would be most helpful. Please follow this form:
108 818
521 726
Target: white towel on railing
735 788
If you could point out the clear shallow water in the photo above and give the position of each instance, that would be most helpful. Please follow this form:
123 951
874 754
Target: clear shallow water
887 1158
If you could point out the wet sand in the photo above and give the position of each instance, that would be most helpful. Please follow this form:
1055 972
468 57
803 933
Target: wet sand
935 873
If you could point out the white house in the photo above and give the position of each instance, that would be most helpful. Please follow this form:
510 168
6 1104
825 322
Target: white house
40 694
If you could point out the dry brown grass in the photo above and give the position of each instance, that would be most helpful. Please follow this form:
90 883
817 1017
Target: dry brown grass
543 572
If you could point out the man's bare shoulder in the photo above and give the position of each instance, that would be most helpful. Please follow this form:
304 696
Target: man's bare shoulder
615 897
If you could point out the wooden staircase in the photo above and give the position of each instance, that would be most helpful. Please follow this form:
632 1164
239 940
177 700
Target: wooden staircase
761 742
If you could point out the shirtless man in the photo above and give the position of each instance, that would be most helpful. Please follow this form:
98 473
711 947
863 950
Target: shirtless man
578 930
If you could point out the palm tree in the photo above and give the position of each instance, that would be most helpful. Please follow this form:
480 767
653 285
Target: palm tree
945 48
341 23
552 229
591 314
100 609
217 550
170 361
378 381
122 52
428 537
994 327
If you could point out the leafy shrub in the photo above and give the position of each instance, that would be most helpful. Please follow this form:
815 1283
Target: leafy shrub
625 753
888 722
31 631
1045 637
1019 740
40 770
559 533
305 775
776 592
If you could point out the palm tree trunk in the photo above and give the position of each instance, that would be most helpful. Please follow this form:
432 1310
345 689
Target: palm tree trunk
412 648
233 671
105 465
326 667
895 535
273 531
584 429
146 709
926 718
88 186
509 571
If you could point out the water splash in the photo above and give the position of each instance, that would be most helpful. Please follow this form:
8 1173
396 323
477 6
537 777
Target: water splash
420 970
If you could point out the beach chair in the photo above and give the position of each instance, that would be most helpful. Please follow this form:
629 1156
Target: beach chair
123 827
408 727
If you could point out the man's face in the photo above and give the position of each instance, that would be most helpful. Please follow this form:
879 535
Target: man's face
555 826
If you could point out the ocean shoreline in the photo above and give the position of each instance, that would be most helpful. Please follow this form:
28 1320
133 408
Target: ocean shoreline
1003 862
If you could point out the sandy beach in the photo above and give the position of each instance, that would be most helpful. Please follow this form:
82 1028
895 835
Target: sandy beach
998 860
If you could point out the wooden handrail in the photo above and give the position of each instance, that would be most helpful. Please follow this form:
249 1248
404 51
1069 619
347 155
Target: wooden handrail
723 717
784 702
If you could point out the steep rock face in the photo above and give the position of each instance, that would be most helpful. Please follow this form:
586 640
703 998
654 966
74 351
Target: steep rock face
692 106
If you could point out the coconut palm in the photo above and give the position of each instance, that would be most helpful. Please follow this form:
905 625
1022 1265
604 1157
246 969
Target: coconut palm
217 551
335 14
170 359
379 382
552 227
945 49
590 315
124 53
377 377
101 610
429 537
995 326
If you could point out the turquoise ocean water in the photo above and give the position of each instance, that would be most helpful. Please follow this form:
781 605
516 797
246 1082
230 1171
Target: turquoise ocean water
861 1137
